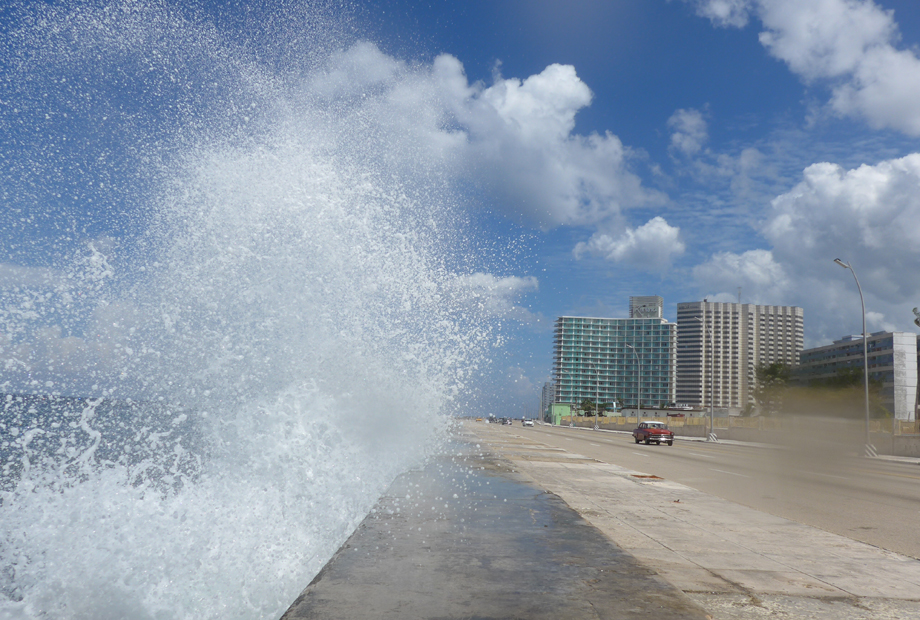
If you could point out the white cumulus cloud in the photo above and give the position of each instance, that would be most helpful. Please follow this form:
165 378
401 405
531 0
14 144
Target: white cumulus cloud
868 216
649 247
725 12
824 39
355 70
761 278
690 132
850 44
496 295
521 142
516 136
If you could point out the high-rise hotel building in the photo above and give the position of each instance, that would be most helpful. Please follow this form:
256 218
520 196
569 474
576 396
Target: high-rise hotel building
720 345
608 359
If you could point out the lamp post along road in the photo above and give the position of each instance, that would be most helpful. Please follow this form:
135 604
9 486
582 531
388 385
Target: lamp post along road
870 449
712 375
639 374
597 392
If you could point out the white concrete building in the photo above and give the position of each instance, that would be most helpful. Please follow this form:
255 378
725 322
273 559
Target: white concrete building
892 360
720 345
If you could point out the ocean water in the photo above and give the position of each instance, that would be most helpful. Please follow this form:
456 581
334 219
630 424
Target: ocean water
232 303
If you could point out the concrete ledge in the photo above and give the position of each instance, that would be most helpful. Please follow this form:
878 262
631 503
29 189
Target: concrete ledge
468 538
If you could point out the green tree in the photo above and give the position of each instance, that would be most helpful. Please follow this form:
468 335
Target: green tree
587 405
850 376
850 380
771 381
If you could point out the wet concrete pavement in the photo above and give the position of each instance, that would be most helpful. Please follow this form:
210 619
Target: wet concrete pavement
736 562
468 538
507 527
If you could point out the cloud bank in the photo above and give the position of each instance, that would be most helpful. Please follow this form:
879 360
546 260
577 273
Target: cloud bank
761 278
521 142
868 216
649 247
848 44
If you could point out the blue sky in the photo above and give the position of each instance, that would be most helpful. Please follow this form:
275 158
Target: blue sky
723 106
679 148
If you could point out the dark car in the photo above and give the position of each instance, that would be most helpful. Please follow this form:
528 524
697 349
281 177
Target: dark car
653 432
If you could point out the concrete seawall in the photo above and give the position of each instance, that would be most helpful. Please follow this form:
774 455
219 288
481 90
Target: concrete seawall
504 526
466 537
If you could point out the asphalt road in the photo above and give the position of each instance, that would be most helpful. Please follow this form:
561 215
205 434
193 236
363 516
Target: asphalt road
822 485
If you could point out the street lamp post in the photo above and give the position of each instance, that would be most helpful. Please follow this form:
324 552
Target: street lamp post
870 450
639 374
712 375
597 391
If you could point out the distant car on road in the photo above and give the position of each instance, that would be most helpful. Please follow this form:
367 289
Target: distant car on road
527 422
507 421
653 432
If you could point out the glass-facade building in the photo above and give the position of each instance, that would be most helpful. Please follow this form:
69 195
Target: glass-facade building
608 359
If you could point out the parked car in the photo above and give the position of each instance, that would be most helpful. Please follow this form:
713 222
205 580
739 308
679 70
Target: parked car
653 432
527 422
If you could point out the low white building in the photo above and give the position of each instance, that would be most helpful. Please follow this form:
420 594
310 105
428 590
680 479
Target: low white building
892 360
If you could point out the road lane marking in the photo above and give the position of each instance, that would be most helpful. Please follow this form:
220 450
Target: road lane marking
897 475
705 456
596 445
818 473
728 472
640 454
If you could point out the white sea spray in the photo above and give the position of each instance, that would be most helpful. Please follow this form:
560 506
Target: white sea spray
251 285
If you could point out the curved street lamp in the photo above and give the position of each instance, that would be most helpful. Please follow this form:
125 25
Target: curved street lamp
712 374
870 450
597 391
639 374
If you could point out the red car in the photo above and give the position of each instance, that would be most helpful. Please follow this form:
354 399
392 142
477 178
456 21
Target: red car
653 432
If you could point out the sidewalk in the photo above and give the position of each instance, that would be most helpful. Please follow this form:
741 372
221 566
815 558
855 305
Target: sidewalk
734 561
465 537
